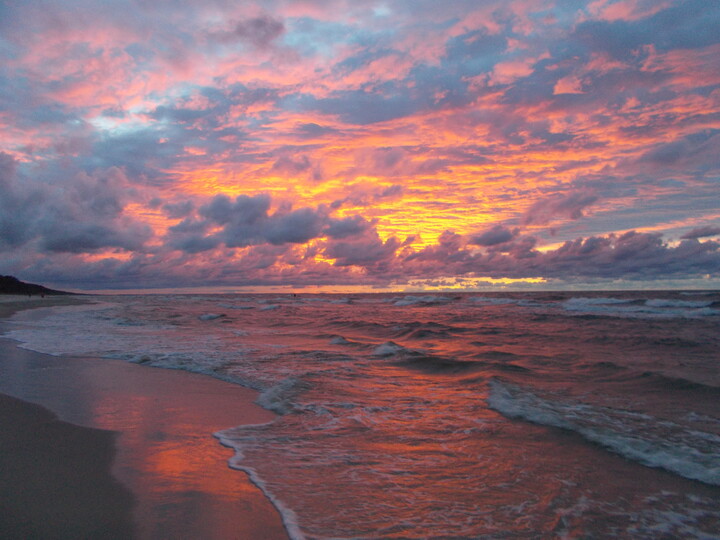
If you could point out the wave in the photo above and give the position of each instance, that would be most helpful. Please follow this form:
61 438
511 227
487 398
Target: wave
423 300
493 301
211 316
672 382
510 367
436 364
281 398
662 303
389 348
289 518
497 355
639 437
639 308
424 333
580 302
424 330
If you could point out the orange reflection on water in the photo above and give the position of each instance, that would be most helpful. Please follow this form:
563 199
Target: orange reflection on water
169 458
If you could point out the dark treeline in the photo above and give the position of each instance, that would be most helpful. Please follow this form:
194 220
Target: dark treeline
12 285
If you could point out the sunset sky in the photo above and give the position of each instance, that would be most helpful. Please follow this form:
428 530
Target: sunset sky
397 144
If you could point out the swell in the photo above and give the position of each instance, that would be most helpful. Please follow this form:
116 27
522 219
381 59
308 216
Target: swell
650 380
640 437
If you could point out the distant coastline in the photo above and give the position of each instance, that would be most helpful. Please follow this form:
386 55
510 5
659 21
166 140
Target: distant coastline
12 285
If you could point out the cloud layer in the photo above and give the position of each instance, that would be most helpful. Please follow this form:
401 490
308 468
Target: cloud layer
312 142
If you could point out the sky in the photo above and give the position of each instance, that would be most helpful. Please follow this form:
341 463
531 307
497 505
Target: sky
404 144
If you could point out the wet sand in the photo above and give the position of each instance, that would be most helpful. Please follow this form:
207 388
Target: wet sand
149 452
55 479
12 303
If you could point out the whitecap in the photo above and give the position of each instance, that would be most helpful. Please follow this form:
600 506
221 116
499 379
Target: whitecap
653 442
388 349
211 316
428 300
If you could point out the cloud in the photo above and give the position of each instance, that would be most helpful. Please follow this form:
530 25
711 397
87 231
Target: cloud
260 32
179 209
701 232
123 129
244 222
296 227
563 205
292 166
84 215
630 256
349 226
76 237
368 251
498 234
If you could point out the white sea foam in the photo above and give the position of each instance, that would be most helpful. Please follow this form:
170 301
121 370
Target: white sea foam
662 303
420 300
493 301
583 302
630 308
689 453
235 306
279 398
288 517
388 349
211 316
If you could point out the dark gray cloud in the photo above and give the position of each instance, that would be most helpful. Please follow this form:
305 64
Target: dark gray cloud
260 32
81 237
311 130
295 227
563 205
344 228
685 25
16 216
179 209
244 222
701 232
498 234
368 251
83 215
360 107
475 52
292 165
630 256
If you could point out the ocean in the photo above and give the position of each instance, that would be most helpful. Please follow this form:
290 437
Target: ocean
471 415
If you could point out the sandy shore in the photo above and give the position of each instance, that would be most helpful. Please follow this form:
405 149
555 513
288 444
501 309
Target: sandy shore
132 441
12 303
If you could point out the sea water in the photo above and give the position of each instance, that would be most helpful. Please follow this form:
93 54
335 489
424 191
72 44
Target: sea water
514 415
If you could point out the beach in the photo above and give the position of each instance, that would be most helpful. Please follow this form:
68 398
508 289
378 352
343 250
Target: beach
96 448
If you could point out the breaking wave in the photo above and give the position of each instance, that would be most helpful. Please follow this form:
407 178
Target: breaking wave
640 437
